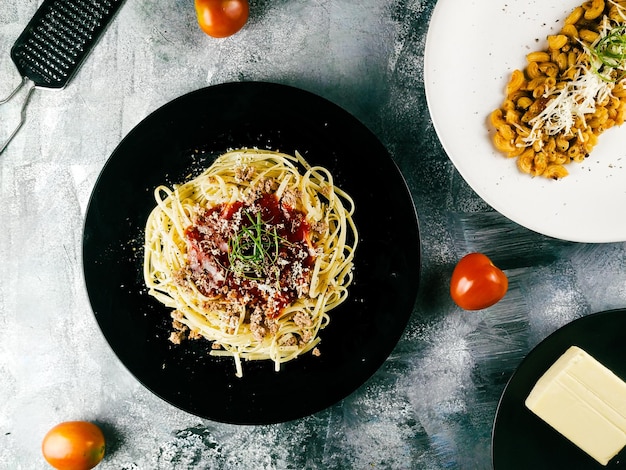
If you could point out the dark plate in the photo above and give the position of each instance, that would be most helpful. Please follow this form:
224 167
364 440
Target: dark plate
181 139
521 440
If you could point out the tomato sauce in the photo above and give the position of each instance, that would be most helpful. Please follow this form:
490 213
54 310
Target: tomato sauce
281 280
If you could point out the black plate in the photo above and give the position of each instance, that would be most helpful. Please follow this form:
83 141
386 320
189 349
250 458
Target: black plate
521 440
181 139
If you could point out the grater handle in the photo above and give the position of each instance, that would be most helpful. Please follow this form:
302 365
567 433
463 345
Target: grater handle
31 87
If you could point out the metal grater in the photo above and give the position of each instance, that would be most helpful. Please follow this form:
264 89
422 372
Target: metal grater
54 44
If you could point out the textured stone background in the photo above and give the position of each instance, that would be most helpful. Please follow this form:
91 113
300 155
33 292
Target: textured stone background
433 402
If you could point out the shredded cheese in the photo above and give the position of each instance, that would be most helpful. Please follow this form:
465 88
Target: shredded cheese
573 101
579 96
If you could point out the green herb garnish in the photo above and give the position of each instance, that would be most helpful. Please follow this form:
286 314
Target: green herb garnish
253 250
610 51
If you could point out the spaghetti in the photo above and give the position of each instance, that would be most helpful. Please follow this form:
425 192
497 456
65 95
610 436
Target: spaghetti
252 255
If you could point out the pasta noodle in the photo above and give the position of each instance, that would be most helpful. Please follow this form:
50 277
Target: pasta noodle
252 255
568 94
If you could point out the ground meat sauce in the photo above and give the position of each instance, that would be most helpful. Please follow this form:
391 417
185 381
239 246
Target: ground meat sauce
282 275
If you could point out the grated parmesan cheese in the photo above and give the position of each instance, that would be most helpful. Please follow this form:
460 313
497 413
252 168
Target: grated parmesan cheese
576 99
591 84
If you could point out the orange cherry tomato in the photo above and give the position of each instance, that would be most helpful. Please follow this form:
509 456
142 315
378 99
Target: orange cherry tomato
73 445
477 283
221 18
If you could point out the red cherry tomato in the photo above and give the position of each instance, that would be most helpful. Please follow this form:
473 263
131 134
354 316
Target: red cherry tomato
73 445
477 283
221 18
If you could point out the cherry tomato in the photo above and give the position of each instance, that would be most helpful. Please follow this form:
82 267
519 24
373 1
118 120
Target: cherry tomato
73 445
221 18
477 283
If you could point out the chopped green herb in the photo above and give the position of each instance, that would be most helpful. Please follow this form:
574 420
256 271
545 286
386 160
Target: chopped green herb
610 52
254 249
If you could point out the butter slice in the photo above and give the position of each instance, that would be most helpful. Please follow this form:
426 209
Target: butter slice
585 402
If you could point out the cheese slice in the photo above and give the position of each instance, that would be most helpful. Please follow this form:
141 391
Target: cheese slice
585 402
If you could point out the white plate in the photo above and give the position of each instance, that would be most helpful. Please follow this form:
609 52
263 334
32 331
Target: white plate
471 49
